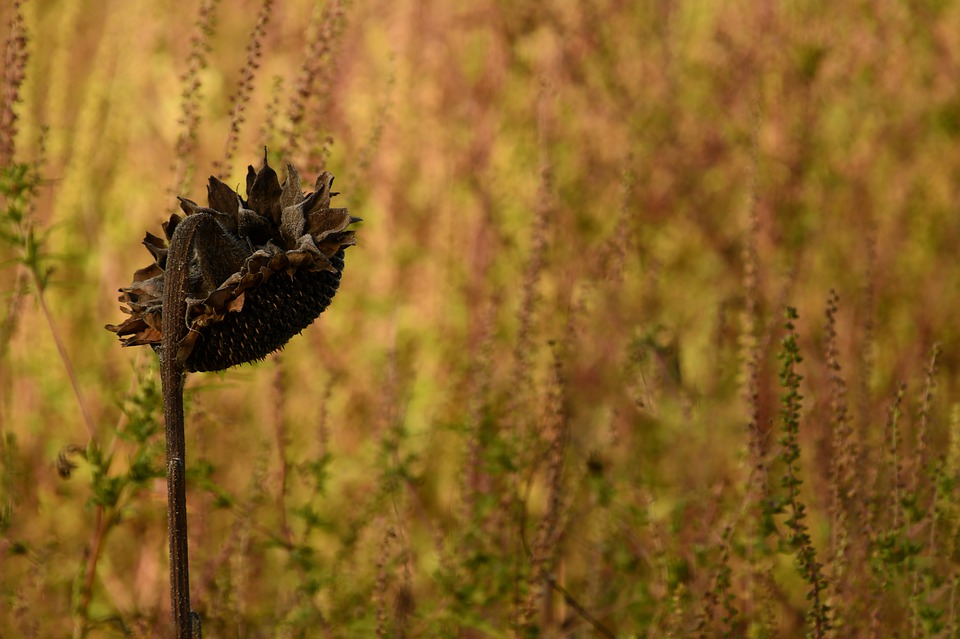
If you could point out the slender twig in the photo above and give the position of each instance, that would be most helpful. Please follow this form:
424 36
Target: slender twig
64 357
281 435
568 597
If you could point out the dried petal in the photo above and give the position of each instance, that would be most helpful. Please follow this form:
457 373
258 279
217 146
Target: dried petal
171 225
221 197
326 221
291 194
323 189
147 272
263 196
157 248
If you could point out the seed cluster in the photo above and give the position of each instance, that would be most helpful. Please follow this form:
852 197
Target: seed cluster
279 309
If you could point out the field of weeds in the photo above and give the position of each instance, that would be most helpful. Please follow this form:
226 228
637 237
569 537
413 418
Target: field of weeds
650 329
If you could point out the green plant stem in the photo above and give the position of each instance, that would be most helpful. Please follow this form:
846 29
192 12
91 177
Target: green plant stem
100 528
172 374
64 357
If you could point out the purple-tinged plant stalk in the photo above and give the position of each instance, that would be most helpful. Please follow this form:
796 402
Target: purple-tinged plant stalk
236 281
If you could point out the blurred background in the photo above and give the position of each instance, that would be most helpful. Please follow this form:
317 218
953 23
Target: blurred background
546 400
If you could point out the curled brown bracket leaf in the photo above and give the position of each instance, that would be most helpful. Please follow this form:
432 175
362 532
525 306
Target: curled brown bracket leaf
264 271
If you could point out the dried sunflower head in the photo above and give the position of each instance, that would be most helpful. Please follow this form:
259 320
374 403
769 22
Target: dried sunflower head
259 275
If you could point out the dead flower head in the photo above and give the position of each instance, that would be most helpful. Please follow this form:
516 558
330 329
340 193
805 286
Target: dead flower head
268 267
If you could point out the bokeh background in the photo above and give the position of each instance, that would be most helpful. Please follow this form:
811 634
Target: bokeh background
547 399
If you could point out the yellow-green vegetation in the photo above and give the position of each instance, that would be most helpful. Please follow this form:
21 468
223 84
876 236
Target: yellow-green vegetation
650 331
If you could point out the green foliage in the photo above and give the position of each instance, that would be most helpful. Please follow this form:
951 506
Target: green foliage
18 188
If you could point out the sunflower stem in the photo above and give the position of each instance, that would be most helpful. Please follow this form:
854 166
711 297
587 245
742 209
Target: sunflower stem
172 372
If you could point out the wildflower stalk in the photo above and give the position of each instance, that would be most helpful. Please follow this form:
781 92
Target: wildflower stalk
240 99
799 537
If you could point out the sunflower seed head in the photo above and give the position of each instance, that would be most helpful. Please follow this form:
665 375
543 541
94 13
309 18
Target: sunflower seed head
268 267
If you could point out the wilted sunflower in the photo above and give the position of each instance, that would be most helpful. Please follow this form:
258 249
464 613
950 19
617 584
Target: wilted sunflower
268 267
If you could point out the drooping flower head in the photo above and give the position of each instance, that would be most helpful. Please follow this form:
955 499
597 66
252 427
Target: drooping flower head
261 274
